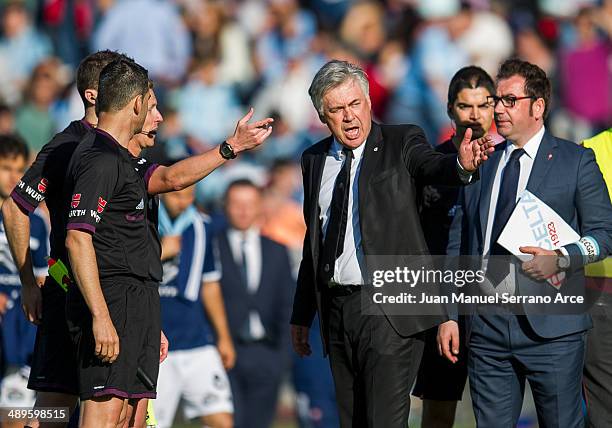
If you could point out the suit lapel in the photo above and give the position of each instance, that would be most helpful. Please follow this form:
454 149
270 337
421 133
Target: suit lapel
316 175
487 177
542 162
372 154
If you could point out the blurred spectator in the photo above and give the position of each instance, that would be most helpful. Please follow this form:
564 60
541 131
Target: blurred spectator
282 208
208 109
288 34
288 94
487 40
531 47
586 75
34 120
22 47
284 143
7 120
603 17
363 30
69 23
257 288
432 63
150 31
216 36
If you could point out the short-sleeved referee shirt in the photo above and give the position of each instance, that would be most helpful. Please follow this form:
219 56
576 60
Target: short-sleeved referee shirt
44 181
109 199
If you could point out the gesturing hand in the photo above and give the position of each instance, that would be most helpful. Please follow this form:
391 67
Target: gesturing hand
250 135
473 153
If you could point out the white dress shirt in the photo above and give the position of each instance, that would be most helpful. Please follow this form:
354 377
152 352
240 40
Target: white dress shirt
526 161
250 240
350 265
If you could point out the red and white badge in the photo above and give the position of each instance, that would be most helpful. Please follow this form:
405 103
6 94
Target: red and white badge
76 200
101 204
42 186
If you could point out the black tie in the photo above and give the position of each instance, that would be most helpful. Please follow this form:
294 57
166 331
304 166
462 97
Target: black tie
336 228
506 200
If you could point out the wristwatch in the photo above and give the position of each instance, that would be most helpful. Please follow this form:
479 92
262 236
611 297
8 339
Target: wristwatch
563 261
226 151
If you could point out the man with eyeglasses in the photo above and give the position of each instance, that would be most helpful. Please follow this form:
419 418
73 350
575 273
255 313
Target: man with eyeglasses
510 344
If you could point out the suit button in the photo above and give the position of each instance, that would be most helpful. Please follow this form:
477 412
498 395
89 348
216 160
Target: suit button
326 268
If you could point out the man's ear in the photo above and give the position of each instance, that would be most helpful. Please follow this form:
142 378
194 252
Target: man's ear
90 96
539 106
138 104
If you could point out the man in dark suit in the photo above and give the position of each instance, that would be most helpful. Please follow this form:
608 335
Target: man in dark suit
359 183
257 285
513 343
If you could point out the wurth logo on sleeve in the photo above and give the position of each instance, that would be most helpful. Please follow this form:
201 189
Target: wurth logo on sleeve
101 205
76 200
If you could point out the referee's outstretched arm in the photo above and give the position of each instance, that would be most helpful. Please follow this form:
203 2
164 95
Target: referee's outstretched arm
191 170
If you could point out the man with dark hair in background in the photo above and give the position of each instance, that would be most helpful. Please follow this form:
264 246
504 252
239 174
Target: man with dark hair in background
16 332
53 373
257 286
440 383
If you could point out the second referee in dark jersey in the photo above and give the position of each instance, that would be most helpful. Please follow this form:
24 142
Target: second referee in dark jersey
53 373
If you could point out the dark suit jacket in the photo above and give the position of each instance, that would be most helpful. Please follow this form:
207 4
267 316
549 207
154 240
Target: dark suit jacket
394 158
272 300
566 178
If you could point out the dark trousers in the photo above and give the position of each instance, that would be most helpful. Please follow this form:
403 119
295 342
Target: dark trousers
372 366
598 365
503 353
255 380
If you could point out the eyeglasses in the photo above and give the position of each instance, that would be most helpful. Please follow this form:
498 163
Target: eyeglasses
507 100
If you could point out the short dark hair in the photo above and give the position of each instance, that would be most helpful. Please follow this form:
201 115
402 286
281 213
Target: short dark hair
241 182
120 81
537 84
12 146
88 72
470 77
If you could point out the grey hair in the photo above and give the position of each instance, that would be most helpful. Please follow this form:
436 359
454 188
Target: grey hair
333 74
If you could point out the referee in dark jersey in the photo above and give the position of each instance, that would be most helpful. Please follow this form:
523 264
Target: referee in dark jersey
53 373
115 316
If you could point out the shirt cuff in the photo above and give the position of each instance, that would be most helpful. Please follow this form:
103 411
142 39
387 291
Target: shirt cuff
464 176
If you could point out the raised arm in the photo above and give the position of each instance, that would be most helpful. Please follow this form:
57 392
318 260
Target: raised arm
191 170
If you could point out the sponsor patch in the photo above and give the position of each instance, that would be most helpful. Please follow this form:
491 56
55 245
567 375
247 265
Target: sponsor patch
42 186
76 200
101 204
